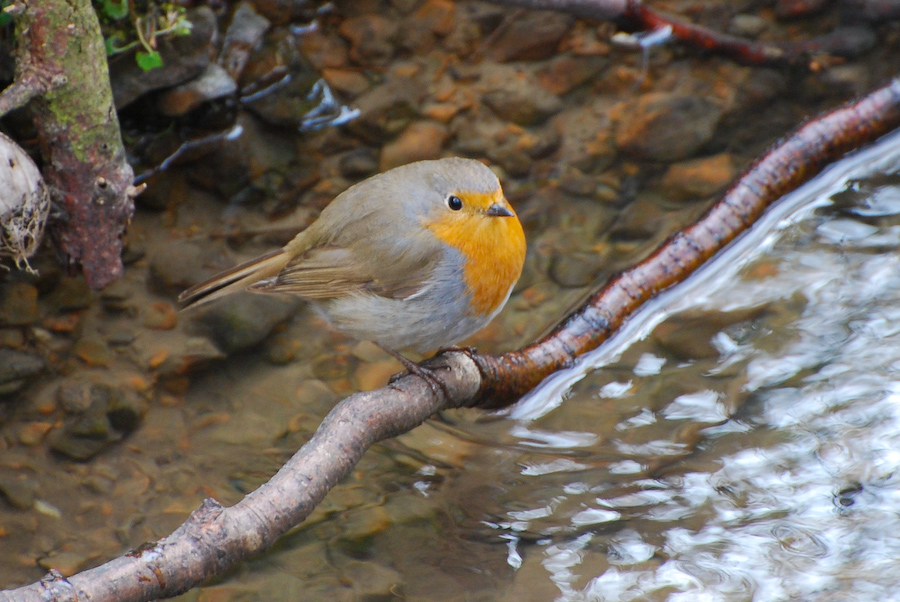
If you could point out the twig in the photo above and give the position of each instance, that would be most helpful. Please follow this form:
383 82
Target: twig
640 17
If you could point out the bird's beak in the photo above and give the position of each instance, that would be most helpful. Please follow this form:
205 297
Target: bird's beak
498 210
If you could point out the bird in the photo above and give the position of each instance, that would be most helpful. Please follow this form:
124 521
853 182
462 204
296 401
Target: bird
418 258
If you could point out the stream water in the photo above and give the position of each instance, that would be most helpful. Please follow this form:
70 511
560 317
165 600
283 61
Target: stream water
736 441
756 460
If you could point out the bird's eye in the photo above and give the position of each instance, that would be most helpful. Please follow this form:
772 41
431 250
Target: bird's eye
454 202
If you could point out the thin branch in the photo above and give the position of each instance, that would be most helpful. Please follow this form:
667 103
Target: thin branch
793 161
640 17
22 91
215 538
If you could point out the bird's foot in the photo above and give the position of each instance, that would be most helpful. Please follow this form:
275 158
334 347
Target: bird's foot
426 374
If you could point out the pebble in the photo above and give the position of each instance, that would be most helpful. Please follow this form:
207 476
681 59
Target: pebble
532 36
349 82
215 82
436 16
563 74
287 103
71 294
515 95
115 297
16 368
65 323
32 433
640 220
160 316
113 412
93 350
748 26
313 393
371 38
359 524
434 19
67 563
587 137
244 34
689 337
442 112
698 178
665 126
18 304
358 163
85 442
20 491
178 264
324 51
421 140
243 320
574 181
125 410
74 395
372 581
386 110
282 349
576 269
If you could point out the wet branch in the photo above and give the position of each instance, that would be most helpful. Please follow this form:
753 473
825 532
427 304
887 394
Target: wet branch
792 162
635 15
215 538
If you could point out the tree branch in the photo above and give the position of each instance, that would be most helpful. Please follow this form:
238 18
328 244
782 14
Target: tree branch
215 538
636 15
61 68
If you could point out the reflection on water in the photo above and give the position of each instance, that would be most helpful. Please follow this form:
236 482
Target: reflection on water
767 471
740 440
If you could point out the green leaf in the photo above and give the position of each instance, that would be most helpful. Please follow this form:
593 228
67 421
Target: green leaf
115 9
148 60
112 44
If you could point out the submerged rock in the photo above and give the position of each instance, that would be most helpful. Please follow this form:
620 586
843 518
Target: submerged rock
515 95
113 413
17 368
243 320
533 36
667 127
184 58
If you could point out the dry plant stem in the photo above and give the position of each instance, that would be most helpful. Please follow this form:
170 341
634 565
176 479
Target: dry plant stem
793 161
84 160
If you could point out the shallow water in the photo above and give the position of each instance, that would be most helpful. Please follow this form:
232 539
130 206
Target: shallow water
734 442
762 468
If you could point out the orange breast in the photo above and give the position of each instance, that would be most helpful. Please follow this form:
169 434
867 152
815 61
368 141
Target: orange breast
494 248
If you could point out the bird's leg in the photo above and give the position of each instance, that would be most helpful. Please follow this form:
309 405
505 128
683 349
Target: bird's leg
426 374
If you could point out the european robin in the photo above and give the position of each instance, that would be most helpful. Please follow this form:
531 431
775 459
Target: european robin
418 257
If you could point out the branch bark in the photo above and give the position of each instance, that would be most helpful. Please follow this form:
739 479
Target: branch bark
215 538
61 69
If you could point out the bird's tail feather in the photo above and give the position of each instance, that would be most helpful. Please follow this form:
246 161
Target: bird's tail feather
235 279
